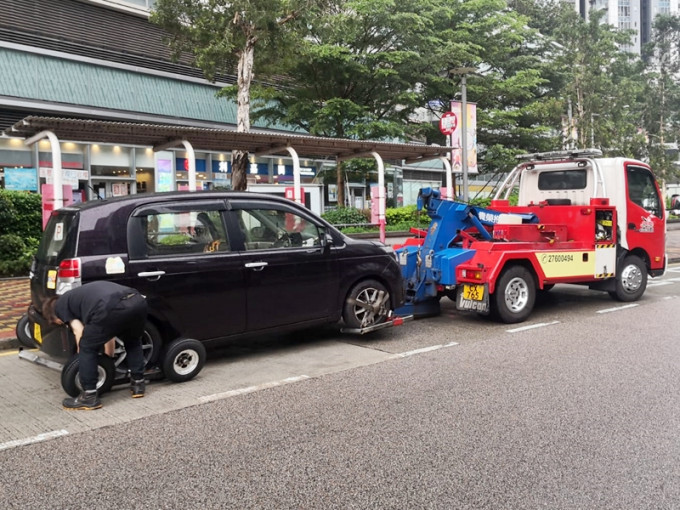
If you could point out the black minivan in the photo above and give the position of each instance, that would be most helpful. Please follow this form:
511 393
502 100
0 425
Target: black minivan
213 266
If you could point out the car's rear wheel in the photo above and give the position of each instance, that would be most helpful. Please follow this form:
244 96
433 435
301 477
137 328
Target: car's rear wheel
151 348
183 359
367 304
23 332
106 371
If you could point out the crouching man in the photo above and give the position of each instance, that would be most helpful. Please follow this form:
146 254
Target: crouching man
97 312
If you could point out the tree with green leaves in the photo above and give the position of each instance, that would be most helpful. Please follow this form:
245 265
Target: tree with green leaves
369 65
222 35
662 94
602 83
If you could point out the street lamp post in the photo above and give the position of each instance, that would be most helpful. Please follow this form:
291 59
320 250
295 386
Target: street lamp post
463 72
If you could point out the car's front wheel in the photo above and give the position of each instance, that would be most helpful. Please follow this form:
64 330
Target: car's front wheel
367 304
106 372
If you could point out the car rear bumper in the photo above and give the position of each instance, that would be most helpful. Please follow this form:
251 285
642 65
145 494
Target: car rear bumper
53 340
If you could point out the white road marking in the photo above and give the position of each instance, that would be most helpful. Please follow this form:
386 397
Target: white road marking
674 279
420 351
532 326
34 439
251 389
617 308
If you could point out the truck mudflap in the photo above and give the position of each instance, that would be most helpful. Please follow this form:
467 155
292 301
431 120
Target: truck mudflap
393 320
473 298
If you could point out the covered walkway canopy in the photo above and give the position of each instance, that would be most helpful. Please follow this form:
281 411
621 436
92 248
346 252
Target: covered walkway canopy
161 136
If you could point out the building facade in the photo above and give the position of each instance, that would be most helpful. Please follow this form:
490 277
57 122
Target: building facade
636 15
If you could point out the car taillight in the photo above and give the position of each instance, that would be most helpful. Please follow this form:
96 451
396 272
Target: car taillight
68 275
69 268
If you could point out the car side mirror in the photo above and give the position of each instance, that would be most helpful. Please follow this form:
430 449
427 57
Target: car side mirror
327 240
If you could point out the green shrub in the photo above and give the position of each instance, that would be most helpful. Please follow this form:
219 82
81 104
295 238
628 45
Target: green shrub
20 213
20 231
16 255
345 216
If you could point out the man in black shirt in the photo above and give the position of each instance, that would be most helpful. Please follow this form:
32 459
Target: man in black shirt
97 312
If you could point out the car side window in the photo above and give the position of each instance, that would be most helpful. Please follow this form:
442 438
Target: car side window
183 232
276 228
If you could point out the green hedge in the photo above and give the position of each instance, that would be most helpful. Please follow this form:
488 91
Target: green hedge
20 231
397 218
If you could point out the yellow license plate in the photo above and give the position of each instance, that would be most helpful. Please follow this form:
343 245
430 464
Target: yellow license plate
473 292
52 279
37 334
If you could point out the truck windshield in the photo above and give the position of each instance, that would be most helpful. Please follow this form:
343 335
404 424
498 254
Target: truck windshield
642 189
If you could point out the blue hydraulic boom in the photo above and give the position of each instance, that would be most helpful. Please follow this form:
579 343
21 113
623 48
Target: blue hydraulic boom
429 269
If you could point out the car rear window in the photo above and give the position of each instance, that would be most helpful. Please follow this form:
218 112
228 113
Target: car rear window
59 239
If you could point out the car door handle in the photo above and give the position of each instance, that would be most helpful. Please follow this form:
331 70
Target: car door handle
154 275
256 266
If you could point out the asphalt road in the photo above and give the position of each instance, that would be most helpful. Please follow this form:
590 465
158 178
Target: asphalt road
577 408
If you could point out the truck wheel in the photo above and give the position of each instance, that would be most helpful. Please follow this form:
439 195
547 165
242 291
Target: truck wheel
70 380
183 359
515 295
24 334
367 304
631 280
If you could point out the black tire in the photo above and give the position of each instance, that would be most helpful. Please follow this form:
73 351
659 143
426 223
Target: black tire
71 382
631 279
368 303
515 295
183 359
24 334
152 344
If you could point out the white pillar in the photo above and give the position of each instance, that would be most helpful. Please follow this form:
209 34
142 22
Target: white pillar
57 181
449 178
191 156
297 195
381 195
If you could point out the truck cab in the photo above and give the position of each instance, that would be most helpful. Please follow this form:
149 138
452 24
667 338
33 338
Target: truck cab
577 178
601 222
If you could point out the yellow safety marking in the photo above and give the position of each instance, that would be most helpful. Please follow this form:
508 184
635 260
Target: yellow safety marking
604 275
604 246
557 264
13 352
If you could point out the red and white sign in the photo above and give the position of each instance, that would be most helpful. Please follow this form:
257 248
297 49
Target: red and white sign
448 123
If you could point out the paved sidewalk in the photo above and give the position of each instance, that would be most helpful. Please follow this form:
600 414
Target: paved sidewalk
15 294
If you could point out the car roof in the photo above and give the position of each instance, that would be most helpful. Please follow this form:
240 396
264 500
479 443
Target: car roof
158 197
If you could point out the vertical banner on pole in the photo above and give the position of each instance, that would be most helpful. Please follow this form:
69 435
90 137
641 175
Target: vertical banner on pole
456 138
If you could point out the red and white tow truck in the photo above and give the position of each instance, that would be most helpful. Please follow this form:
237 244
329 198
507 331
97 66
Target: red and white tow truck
579 219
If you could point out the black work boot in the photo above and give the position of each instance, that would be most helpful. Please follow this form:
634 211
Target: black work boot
86 401
137 388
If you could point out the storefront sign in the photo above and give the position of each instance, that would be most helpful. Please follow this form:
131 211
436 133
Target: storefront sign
69 177
164 181
21 179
